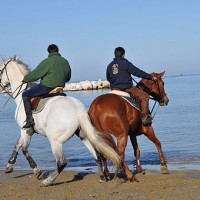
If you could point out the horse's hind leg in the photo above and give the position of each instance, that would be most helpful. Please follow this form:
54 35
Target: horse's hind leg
98 158
95 154
150 134
37 172
136 149
57 149
121 146
106 171
13 157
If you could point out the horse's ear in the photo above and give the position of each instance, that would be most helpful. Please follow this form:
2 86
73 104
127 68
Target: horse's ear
4 60
162 74
16 57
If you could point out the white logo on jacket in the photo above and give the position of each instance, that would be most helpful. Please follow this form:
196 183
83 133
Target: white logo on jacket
115 69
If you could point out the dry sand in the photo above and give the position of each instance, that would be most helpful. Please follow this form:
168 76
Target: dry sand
178 185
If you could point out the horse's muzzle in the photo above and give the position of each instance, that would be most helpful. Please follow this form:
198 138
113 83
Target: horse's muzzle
164 101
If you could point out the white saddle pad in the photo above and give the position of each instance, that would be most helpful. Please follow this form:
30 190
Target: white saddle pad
121 93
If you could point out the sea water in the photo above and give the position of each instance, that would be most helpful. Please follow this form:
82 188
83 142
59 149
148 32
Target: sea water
176 125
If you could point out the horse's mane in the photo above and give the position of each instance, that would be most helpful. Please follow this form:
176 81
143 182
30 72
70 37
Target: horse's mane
24 68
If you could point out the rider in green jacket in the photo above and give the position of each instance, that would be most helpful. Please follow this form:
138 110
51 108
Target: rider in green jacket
53 72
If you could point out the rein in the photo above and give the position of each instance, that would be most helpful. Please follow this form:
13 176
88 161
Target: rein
4 104
11 96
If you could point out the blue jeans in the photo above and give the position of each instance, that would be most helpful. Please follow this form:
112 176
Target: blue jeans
36 90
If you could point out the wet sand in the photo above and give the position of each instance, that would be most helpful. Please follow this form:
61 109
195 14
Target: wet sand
178 185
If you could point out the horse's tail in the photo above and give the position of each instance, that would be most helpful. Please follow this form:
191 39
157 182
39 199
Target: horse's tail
108 139
98 142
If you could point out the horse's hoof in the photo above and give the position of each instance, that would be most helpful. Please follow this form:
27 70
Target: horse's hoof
143 172
164 169
9 170
139 170
46 183
134 180
37 174
102 180
118 180
108 178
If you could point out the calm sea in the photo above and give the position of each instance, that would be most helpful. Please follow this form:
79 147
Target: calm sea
177 126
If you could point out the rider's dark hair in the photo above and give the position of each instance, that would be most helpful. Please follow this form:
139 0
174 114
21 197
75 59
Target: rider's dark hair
52 48
119 52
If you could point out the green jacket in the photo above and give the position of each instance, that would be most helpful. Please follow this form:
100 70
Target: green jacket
53 72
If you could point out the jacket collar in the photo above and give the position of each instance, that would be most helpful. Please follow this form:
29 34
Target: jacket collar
54 54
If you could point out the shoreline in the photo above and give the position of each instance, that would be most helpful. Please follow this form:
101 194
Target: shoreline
94 168
70 185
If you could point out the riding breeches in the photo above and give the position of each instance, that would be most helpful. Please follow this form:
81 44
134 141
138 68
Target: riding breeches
36 90
141 97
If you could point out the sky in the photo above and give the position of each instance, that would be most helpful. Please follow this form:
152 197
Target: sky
157 35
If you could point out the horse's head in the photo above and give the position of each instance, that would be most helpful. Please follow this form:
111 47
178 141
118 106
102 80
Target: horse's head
4 80
155 88
12 72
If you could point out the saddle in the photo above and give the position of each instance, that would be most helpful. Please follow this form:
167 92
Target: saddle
126 96
38 103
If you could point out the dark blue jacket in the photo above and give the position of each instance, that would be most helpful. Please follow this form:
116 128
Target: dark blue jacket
119 73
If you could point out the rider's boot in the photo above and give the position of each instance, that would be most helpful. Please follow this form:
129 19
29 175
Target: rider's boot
143 99
29 118
146 117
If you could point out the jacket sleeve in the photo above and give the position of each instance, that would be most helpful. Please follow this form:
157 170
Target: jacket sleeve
108 74
38 72
138 72
69 74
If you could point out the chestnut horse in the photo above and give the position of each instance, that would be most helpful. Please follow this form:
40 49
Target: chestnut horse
112 115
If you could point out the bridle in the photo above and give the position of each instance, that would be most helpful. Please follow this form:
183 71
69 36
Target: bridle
149 90
4 87
16 92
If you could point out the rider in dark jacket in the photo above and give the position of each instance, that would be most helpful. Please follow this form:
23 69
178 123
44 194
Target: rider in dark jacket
119 73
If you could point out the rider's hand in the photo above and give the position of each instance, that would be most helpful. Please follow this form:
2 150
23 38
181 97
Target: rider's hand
154 78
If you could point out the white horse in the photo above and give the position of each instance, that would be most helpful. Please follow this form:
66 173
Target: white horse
58 121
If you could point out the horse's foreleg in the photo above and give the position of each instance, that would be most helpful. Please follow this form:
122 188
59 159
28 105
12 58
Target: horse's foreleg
150 134
37 172
13 157
136 149
26 136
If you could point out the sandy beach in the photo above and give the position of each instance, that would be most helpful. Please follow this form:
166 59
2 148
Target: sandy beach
22 185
